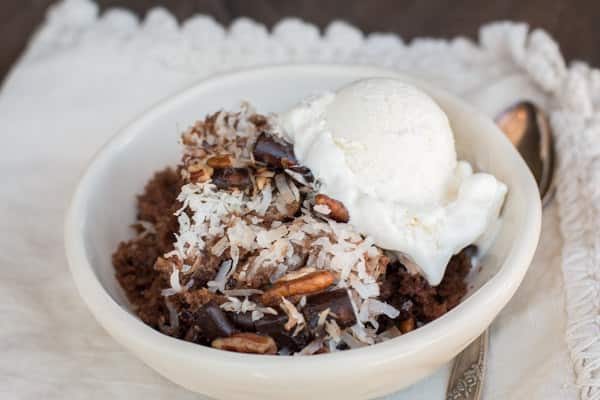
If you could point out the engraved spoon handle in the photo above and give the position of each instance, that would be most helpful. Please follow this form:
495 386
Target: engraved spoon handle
468 372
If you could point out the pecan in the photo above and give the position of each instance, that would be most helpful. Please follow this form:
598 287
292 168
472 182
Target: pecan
307 284
246 343
260 121
407 325
199 172
338 211
219 161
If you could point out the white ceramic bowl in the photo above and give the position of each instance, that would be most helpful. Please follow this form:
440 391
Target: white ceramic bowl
104 205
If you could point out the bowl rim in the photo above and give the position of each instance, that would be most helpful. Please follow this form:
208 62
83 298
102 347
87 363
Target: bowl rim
124 326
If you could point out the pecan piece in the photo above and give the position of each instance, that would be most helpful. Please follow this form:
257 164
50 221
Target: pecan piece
199 172
230 178
246 343
260 121
337 211
307 284
219 162
407 325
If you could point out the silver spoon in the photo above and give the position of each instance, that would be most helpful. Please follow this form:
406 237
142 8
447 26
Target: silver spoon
527 128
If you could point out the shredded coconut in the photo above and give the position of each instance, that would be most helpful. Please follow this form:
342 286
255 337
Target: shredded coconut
322 317
247 227
218 284
295 318
322 209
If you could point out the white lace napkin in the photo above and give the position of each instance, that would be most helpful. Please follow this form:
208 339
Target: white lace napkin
84 76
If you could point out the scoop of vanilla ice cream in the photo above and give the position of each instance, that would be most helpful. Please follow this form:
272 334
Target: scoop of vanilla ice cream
386 150
396 140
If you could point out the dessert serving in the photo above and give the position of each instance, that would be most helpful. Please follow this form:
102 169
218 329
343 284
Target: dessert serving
341 223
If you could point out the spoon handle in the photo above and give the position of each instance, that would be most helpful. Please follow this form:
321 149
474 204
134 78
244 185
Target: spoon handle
468 372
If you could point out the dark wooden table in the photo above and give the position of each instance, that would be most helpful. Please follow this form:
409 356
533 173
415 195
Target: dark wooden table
574 23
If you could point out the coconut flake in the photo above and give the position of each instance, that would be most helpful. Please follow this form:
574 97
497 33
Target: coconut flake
294 190
377 308
220 246
284 189
301 303
322 209
174 280
218 284
266 197
233 305
298 177
265 237
173 315
295 318
333 330
281 205
257 315
234 251
350 340
299 273
362 334
240 234
279 272
260 312
323 316
168 292
365 291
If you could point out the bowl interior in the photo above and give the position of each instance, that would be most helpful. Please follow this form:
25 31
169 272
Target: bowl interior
151 143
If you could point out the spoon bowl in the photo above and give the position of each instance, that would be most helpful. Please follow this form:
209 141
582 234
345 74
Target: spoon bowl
528 129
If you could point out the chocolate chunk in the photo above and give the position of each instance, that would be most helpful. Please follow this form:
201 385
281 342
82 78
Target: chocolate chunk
232 178
274 152
338 303
243 321
213 322
274 326
271 324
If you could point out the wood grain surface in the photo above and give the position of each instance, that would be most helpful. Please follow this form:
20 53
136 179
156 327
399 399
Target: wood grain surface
574 23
